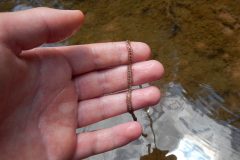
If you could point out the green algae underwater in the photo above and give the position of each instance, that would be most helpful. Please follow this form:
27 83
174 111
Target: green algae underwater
198 42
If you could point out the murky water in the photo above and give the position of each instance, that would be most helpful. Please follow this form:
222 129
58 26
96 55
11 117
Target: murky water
199 44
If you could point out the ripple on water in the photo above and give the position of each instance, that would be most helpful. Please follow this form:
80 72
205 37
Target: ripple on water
181 127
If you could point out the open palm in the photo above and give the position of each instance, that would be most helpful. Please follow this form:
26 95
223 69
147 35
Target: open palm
47 93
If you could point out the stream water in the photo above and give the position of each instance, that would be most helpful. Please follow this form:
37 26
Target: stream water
198 117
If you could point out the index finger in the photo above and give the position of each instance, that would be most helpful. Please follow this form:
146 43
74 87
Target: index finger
98 56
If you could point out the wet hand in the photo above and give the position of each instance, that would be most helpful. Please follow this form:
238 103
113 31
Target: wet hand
47 93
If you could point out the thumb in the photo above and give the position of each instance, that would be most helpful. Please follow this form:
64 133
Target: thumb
27 29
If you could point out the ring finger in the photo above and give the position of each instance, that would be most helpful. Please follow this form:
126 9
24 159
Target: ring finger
113 105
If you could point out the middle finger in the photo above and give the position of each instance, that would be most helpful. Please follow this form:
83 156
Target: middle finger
99 83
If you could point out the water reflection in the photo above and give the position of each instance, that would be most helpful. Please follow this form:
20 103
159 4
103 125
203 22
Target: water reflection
182 125
190 148
198 134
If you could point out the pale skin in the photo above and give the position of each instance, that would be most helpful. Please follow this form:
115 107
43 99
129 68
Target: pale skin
47 93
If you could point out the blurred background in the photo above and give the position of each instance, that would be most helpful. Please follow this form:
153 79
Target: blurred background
198 42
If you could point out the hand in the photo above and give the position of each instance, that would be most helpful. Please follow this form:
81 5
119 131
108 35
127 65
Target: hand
47 93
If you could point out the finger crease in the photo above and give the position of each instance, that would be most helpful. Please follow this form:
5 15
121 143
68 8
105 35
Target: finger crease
95 143
103 81
103 108
95 57
47 30
77 88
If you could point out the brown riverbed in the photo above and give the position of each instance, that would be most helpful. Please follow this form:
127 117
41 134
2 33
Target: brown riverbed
197 41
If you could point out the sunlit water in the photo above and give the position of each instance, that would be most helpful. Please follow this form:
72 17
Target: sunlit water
181 127
185 125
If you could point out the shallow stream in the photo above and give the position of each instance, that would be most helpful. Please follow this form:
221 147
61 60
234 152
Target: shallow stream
198 42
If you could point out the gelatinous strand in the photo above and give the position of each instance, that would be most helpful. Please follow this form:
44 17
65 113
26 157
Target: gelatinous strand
130 80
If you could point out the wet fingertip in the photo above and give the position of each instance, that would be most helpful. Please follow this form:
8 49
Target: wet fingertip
144 50
147 50
78 13
134 130
158 68
154 94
